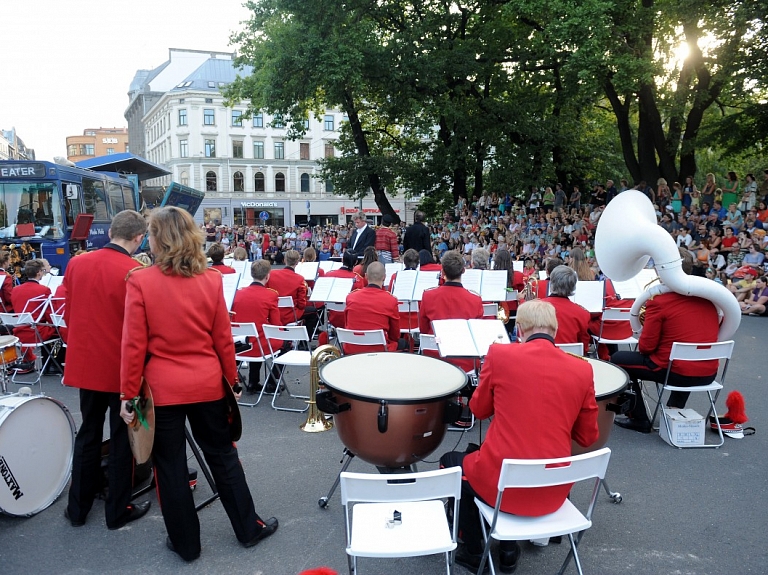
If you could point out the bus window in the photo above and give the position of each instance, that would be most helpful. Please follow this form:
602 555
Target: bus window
30 203
130 202
94 199
115 197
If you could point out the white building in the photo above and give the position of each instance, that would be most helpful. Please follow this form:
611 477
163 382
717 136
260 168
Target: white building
247 167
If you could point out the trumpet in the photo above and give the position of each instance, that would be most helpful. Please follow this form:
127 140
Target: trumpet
531 289
641 313
316 421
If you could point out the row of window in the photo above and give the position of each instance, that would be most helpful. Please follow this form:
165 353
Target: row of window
209 149
81 150
238 182
209 119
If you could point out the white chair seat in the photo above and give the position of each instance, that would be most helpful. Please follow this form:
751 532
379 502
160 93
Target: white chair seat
565 520
714 386
295 357
427 536
251 359
625 341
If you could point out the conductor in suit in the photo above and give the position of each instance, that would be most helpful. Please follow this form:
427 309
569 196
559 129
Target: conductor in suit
362 237
417 235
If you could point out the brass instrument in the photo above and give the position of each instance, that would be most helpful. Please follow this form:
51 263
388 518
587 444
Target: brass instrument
502 314
641 313
531 289
316 421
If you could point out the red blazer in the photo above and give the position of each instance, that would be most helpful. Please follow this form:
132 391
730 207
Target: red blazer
20 295
258 304
6 291
372 308
94 291
288 283
572 321
182 325
672 317
336 318
612 329
562 393
449 301
225 269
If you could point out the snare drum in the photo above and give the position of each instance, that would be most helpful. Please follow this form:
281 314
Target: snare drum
610 380
9 349
37 440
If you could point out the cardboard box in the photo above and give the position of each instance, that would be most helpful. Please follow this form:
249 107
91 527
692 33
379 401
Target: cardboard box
685 425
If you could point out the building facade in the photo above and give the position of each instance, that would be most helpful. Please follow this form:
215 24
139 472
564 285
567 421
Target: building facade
251 172
12 147
97 142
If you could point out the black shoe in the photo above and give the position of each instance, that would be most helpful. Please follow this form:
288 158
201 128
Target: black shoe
508 558
24 367
470 561
642 426
52 371
270 526
135 511
253 389
169 545
73 522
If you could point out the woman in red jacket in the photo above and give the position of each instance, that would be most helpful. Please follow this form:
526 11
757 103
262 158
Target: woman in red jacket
177 336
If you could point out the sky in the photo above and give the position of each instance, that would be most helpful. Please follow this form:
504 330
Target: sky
67 65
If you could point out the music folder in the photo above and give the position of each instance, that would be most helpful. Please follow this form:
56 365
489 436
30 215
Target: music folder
333 290
307 270
410 284
634 286
590 295
229 283
468 337
491 285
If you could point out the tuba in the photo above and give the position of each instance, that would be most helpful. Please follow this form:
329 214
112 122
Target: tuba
628 236
316 421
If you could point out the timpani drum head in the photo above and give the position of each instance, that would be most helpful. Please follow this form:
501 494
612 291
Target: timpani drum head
37 440
395 377
609 379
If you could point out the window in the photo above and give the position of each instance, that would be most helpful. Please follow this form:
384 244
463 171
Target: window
306 124
89 151
183 148
329 150
304 151
183 117
279 182
210 182
258 182
94 200
184 179
258 150
181 100
209 100
211 84
110 151
258 120
328 187
90 133
209 117
328 121
277 121
279 150
210 148
72 150
115 195
305 183
129 199
237 149
239 182
237 118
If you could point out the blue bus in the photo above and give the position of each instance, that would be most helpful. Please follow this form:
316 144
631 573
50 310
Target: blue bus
40 202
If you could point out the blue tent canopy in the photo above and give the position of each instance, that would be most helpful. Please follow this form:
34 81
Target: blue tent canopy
125 163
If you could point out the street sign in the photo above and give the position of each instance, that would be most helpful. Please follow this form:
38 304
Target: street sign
264 216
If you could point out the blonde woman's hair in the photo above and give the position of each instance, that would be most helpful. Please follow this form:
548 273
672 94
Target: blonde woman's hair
240 254
177 242
580 264
537 316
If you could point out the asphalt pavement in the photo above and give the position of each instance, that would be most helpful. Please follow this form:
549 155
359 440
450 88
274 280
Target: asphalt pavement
684 512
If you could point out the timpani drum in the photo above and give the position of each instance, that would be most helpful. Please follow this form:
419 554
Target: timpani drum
610 380
37 440
390 409
9 350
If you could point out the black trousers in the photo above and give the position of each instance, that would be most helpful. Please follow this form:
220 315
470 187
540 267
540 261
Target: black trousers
208 421
641 368
86 461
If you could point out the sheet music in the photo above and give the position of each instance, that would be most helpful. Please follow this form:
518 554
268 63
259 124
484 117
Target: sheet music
392 269
243 267
517 266
633 287
494 285
404 284
589 295
468 338
307 270
229 283
424 281
472 280
54 282
486 332
329 266
331 289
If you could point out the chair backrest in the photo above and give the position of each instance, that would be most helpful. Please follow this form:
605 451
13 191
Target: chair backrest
17 318
701 351
548 472
285 301
361 336
490 309
244 329
408 306
421 486
285 332
574 348
336 306
617 314
427 342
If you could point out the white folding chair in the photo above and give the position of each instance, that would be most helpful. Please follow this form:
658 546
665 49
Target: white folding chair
567 520
614 314
242 330
286 301
697 352
370 501
374 338
293 358
574 348
490 309
409 307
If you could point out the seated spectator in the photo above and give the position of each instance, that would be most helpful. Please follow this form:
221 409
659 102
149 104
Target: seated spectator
756 303
216 253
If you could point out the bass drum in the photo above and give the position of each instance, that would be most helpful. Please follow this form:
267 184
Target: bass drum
37 440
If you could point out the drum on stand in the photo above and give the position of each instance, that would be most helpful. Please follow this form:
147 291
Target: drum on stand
610 380
10 352
37 440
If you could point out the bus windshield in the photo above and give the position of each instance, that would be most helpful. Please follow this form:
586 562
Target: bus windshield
30 209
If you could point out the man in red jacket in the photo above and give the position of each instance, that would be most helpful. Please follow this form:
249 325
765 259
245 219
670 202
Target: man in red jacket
95 302
669 317
515 400
22 298
286 282
572 319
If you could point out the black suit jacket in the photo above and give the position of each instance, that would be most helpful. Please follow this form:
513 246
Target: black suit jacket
368 239
417 237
